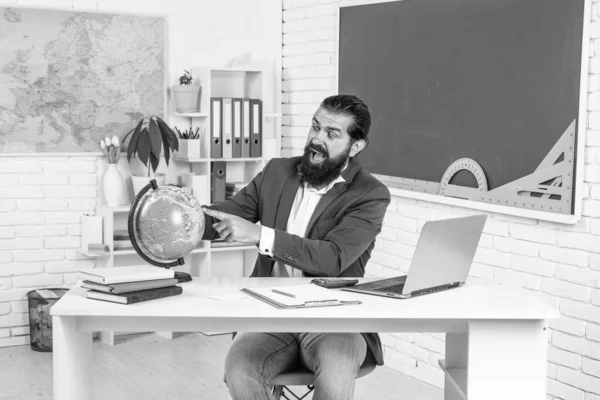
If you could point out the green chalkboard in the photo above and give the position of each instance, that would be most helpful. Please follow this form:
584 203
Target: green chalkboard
493 83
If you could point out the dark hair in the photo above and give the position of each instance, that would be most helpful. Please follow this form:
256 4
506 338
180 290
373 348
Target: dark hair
347 104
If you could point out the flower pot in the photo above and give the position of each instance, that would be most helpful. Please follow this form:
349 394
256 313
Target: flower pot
139 181
187 98
189 148
113 186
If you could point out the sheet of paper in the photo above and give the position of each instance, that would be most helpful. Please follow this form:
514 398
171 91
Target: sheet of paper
297 295
229 296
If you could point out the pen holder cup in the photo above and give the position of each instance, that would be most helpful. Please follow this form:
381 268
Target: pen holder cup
189 148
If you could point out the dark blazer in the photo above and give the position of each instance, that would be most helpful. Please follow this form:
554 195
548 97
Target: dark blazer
341 232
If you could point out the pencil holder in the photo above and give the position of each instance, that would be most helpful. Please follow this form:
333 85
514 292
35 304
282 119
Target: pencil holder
189 148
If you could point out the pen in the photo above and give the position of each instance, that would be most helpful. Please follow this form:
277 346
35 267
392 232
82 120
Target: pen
283 293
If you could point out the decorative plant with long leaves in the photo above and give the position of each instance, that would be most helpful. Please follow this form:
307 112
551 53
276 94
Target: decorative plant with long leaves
147 138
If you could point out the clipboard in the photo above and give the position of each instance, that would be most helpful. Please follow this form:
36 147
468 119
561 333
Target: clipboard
301 296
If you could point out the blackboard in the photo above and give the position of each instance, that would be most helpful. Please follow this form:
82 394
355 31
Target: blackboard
494 82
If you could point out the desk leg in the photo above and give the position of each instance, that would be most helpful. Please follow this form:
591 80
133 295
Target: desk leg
507 360
455 384
72 360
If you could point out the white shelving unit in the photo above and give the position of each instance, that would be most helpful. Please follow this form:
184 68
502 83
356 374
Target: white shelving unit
208 260
256 83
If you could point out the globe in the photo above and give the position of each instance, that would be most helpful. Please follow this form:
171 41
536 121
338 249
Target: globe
165 223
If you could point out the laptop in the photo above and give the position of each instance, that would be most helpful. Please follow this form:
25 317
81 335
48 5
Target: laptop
442 260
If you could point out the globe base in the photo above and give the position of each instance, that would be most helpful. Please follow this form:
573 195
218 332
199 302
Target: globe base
183 276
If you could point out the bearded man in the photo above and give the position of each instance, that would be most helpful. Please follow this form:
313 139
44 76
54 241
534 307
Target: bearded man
319 216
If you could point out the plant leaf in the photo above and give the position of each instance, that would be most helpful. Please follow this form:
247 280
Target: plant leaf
155 138
154 162
131 146
143 146
165 142
168 134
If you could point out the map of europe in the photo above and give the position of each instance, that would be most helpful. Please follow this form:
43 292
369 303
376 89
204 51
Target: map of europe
68 79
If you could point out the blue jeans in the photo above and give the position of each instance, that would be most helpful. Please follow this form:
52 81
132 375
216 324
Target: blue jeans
255 358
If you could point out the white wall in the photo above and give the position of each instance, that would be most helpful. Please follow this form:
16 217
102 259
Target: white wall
559 262
42 197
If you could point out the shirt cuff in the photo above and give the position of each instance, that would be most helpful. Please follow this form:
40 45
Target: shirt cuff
267 238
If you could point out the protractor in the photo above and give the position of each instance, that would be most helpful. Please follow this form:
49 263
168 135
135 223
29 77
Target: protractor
467 164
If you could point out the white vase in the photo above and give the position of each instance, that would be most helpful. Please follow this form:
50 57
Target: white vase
114 186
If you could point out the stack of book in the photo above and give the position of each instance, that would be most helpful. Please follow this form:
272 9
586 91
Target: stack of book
121 240
129 285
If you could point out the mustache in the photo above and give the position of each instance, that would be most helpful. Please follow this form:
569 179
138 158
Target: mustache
320 149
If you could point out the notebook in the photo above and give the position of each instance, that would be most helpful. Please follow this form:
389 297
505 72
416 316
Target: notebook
125 274
136 297
301 296
126 287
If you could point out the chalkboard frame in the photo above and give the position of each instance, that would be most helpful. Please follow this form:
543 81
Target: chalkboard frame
165 20
578 189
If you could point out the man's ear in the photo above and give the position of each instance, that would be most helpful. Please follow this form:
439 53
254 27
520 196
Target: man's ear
357 147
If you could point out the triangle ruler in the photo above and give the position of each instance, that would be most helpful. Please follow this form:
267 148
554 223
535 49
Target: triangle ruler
548 188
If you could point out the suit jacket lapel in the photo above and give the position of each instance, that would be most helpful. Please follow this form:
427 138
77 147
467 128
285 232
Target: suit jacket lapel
287 200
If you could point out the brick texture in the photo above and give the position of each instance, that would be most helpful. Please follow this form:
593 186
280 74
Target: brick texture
559 262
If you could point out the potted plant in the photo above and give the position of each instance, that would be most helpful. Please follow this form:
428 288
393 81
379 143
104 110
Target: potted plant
187 94
189 143
147 138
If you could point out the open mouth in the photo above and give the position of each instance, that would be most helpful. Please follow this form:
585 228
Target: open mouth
316 157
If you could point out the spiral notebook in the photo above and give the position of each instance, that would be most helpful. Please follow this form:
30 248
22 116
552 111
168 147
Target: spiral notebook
301 296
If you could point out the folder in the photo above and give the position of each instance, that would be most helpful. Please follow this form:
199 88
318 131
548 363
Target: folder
237 128
216 148
217 179
256 128
135 273
245 128
227 128
301 296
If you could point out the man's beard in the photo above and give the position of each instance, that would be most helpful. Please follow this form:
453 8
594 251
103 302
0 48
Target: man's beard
323 173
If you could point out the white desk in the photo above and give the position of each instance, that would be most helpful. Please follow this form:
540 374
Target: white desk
496 338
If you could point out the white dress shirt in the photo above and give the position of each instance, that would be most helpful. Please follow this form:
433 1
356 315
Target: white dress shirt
304 205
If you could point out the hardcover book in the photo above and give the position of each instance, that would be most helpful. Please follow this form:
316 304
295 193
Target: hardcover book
136 297
125 274
126 287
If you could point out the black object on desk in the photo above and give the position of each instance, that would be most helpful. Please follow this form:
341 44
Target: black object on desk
333 283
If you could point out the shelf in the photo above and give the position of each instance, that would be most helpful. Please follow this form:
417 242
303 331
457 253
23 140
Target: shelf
123 252
119 209
458 378
236 69
191 114
234 248
199 160
92 253
255 159
191 160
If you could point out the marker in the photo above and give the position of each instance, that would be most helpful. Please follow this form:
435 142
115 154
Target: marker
283 293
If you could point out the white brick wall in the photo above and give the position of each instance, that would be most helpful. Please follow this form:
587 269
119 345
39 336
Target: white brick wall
560 262
42 198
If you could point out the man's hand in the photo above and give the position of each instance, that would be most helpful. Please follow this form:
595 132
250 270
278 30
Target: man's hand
233 228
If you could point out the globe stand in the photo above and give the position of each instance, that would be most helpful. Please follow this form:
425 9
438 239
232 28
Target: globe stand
183 276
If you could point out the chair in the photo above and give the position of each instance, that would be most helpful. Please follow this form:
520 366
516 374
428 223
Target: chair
304 378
